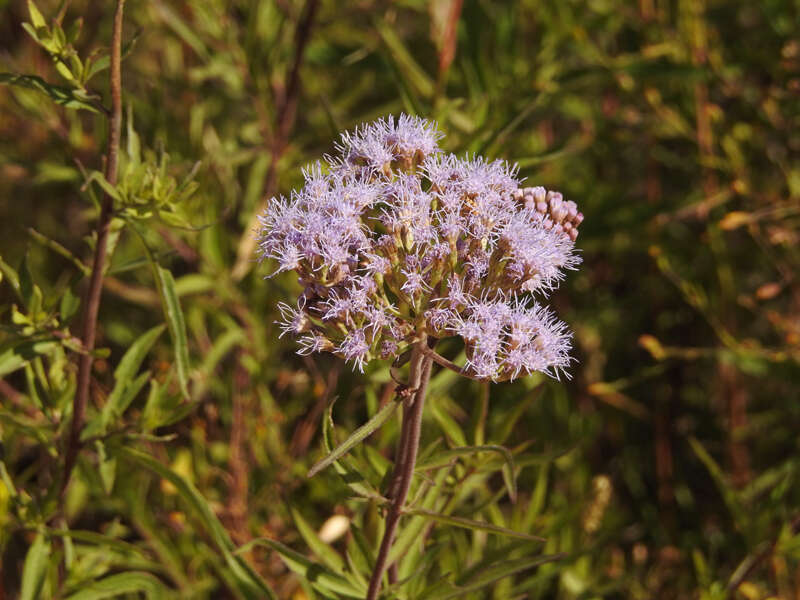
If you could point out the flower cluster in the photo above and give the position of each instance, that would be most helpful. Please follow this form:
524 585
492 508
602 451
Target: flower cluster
393 239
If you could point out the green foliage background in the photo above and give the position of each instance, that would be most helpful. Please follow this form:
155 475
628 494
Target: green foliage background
667 467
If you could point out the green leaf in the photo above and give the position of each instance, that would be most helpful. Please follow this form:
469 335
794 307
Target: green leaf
326 554
98 539
16 354
37 20
446 456
448 424
59 249
11 276
404 60
176 324
74 30
409 535
100 179
360 556
114 586
319 576
470 524
352 476
730 496
96 66
222 345
128 366
184 31
483 576
108 467
31 293
250 582
63 96
36 429
162 407
134 147
173 219
11 489
35 568
356 437
194 283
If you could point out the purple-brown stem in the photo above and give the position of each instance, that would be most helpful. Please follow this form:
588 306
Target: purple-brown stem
91 301
286 111
420 374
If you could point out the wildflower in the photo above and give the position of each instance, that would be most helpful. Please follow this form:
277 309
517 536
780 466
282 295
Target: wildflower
393 239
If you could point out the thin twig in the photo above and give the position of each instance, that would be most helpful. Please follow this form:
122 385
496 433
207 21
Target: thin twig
412 415
287 109
447 51
401 460
447 364
92 298
304 432
237 462
740 577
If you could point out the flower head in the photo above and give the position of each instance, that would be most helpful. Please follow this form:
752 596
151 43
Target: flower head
393 238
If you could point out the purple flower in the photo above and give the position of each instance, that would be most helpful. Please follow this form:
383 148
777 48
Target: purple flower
354 347
295 320
393 237
314 342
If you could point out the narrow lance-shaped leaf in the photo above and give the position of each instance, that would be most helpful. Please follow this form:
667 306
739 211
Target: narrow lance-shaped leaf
114 586
173 314
37 20
125 372
326 554
251 583
17 354
66 97
728 493
11 276
356 437
176 324
406 543
319 576
354 479
446 456
99 539
483 576
35 568
107 467
471 524
406 63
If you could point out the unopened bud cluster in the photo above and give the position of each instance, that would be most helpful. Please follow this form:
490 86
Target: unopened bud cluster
393 239
557 213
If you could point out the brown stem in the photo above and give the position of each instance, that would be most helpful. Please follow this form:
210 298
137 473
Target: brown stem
731 388
401 459
447 364
287 108
447 51
238 467
421 364
740 577
92 299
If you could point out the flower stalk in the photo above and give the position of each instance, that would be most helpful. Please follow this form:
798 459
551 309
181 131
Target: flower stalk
406 461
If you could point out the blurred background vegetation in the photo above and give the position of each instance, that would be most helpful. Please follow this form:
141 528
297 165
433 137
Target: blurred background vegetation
667 467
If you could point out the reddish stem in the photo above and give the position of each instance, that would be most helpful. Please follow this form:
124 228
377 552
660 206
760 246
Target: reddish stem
421 364
91 302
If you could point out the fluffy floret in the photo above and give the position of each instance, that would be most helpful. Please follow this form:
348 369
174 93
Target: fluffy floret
392 239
